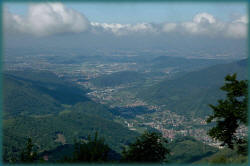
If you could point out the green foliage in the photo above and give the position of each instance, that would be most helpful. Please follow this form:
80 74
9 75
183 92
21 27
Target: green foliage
230 113
92 150
43 85
150 147
219 160
21 97
31 111
224 156
35 108
83 119
188 150
189 94
29 154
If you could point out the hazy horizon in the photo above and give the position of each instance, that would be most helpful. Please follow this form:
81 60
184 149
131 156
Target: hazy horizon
182 27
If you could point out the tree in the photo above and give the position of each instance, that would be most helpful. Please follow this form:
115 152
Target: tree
91 150
28 154
150 147
230 113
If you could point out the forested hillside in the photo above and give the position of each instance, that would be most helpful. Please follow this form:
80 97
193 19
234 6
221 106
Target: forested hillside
54 112
191 93
189 150
37 108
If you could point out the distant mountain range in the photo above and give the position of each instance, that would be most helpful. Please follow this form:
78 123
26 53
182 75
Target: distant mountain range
191 93
183 63
117 79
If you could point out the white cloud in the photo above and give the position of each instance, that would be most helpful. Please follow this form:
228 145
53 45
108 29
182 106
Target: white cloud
236 30
206 24
45 19
123 29
114 28
201 24
168 27
204 18
242 19
52 18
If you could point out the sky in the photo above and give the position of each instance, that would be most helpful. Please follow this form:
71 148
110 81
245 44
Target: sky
126 13
44 19
220 27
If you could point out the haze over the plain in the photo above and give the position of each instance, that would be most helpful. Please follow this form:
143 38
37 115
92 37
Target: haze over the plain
216 30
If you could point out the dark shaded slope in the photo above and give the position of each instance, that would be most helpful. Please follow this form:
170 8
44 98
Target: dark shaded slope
48 83
20 96
59 153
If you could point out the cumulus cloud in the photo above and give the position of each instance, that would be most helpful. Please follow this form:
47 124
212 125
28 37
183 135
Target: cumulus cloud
123 29
52 18
204 18
168 27
242 19
206 24
201 24
237 28
45 19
